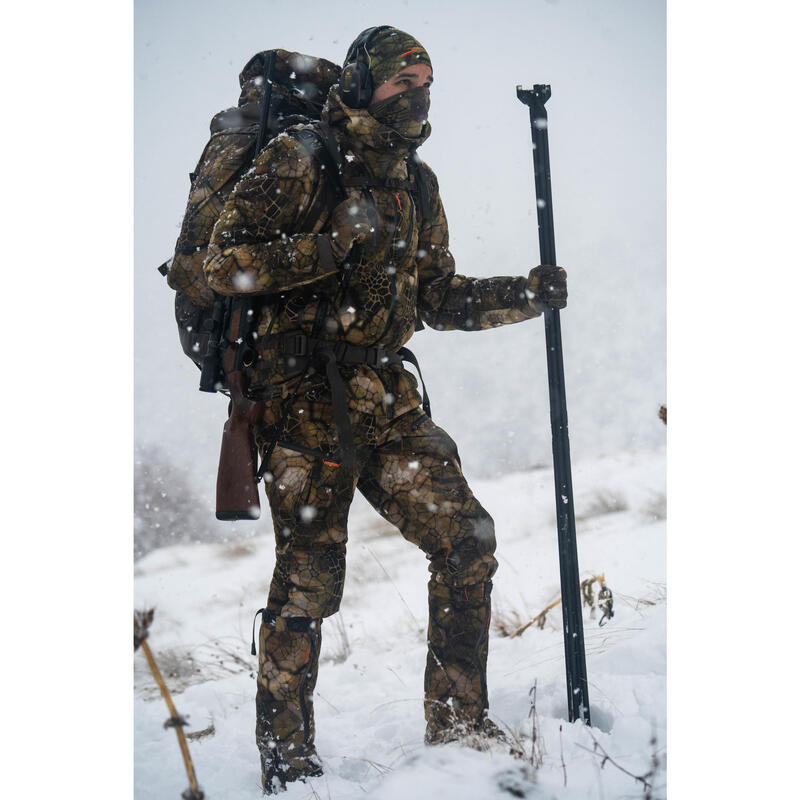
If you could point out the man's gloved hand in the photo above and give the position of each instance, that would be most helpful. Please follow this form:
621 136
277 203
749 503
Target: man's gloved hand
349 224
548 285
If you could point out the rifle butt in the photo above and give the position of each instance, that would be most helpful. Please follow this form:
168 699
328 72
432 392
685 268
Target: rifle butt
237 490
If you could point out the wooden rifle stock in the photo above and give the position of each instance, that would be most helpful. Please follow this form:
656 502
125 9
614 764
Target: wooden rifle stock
237 489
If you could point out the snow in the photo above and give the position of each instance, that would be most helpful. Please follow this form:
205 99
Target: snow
489 391
368 701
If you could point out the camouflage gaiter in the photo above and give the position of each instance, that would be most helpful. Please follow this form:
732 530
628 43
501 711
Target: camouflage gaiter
406 113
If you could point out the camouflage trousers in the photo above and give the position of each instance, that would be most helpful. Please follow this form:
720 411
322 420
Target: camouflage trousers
409 470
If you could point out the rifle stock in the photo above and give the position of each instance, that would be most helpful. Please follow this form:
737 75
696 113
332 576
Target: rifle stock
237 490
237 487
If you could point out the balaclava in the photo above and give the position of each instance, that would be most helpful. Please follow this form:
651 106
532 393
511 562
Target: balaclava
389 51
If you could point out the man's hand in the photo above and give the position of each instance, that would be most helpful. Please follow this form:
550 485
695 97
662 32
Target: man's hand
549 285
349 224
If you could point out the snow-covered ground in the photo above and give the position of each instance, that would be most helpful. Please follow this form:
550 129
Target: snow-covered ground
369 695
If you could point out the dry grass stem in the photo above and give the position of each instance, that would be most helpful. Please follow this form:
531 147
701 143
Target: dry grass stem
603 601
646 780
141 623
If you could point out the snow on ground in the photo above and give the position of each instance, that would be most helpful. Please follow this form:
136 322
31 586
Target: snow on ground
368 701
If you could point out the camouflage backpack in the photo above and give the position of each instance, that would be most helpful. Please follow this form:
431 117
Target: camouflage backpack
300 85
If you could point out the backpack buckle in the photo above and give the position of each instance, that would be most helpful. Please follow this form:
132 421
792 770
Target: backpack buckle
295 344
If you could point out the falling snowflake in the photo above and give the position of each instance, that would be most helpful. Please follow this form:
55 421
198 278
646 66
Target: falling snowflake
307 513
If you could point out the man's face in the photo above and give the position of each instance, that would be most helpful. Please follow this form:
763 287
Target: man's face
410 77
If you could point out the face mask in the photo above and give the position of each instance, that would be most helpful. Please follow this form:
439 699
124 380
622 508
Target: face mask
405 113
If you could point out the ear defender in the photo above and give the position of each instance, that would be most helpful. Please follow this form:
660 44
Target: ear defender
355 82
355 85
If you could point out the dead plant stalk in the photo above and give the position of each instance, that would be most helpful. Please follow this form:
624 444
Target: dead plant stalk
176 721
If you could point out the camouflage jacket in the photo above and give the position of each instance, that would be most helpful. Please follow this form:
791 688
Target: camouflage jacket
272 238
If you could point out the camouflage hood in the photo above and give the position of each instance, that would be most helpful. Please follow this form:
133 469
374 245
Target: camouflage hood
365 133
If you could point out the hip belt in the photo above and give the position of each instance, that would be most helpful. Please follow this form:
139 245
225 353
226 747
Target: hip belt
297 348
300 351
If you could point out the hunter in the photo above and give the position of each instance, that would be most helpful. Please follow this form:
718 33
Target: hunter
348 284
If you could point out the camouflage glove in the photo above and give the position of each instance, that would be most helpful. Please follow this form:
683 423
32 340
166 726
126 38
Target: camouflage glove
548 285
349 224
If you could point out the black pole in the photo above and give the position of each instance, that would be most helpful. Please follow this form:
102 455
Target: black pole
574 651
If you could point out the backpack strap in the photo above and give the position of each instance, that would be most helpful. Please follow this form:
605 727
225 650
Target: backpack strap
415 184
422 189
320 144
366 182
406 355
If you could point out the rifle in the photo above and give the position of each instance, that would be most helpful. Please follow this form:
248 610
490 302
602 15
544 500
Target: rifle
229 352
575 655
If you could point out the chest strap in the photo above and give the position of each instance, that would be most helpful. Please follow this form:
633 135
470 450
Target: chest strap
366 182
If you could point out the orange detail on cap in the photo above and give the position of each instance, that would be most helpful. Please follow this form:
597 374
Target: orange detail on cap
408 52
399 204
330 463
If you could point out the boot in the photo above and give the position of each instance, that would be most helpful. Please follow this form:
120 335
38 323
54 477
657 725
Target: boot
456 697
287 673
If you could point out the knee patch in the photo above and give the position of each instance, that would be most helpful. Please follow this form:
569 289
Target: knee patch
475 543
308 583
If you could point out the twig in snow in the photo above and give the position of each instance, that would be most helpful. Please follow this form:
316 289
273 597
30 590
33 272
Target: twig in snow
536 746
337 710
141 625
396 676
538 620
655 763
195 736
381 769
606 604
416 621
596 688
561 746
314 793
643 779
401 700
343 651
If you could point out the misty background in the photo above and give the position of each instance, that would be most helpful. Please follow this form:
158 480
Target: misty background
606 63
